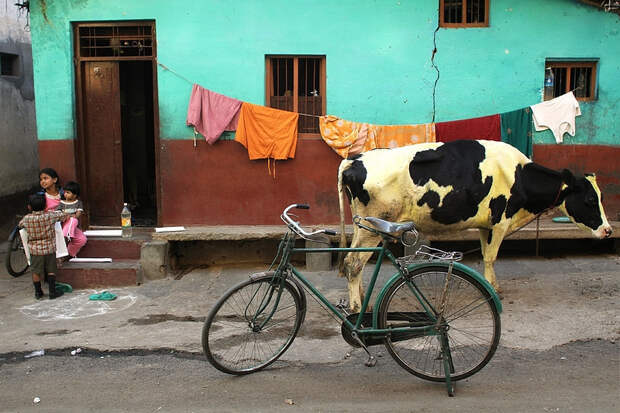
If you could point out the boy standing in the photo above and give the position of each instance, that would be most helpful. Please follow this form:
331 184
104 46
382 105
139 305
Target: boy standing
42 244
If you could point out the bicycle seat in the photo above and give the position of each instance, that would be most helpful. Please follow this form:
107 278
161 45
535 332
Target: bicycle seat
390 227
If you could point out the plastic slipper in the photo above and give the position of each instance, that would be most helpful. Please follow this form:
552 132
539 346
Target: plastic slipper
561 219
64 287
103 296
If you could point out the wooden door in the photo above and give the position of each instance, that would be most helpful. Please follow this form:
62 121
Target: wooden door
102 142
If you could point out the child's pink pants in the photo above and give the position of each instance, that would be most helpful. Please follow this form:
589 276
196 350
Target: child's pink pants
78 239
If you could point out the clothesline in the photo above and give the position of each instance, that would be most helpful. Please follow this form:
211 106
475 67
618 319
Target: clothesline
301 114
192 82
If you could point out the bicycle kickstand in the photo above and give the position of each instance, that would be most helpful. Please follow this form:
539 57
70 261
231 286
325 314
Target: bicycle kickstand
372 361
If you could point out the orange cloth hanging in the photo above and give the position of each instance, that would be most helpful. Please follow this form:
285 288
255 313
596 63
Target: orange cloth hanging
267 132
395 136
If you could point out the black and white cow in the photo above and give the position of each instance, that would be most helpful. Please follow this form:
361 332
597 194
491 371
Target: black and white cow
458 185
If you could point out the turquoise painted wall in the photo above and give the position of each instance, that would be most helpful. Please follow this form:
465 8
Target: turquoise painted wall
378 57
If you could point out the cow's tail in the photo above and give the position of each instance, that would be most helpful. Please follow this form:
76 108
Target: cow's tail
343 235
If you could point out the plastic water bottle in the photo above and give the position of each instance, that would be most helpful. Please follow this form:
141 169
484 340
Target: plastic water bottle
549 84
126 221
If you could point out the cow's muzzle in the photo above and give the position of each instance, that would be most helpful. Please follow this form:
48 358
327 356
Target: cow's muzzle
607 231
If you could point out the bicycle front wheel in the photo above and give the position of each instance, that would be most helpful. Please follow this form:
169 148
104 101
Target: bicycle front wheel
16 261
252 325
470 318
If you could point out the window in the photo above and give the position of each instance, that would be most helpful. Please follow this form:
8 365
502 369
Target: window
115 40
563 76
9 64
463 13
297 84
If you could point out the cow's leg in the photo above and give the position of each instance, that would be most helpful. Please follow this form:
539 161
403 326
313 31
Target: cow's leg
490 241
353 265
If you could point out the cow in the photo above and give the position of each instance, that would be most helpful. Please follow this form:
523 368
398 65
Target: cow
446 187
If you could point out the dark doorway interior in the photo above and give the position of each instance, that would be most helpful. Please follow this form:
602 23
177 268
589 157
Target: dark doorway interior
136 93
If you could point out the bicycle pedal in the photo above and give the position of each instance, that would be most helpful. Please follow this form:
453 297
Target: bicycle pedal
343 305
371 362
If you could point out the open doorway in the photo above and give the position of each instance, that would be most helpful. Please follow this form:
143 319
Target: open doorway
116 89
138 143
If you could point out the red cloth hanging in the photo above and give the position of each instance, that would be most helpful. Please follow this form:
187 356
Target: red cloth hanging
486 127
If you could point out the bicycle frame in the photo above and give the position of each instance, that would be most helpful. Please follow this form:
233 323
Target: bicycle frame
357 328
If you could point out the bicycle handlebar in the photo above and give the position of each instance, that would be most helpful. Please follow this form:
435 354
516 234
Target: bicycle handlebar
295 225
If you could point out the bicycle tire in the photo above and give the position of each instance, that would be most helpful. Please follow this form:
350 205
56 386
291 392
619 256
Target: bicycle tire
16 262
228 339
474 324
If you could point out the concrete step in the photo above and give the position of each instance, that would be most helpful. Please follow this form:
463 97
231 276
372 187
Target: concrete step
95 275
115 248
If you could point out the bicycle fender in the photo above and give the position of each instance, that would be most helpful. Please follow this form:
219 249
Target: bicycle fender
13 233
467 270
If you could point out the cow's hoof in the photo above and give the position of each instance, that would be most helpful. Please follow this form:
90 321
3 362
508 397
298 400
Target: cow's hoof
499 293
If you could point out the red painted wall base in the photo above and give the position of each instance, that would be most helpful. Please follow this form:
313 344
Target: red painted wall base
219 185
59 155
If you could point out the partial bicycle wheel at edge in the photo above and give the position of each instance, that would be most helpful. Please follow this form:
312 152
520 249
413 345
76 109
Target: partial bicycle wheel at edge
474 326
16 262
252 325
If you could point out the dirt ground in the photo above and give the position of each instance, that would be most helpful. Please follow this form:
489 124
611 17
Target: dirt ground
559 349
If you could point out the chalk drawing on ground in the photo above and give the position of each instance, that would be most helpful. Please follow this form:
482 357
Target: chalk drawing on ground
76 305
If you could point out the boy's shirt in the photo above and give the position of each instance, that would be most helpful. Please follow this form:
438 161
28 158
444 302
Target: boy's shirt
40 228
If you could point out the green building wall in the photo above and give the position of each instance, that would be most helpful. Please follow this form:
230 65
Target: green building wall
378 57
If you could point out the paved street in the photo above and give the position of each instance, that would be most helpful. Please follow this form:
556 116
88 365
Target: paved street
558 352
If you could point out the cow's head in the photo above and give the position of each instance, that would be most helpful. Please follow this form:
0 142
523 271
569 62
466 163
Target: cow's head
583 204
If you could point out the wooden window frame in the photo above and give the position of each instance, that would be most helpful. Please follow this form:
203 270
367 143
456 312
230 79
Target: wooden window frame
269 84
464 25
76 38
569 65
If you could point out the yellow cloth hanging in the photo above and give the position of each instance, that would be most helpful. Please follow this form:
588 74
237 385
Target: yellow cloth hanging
350 138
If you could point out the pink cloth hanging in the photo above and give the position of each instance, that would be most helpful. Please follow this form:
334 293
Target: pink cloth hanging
211 113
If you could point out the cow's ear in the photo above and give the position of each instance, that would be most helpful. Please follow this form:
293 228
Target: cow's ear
568 178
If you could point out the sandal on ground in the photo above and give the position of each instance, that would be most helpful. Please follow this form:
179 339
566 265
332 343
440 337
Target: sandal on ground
103 296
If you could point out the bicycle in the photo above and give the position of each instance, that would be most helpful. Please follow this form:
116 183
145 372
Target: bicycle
438 318
15 261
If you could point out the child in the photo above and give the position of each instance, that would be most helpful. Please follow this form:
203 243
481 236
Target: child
72 206
48 179
39 225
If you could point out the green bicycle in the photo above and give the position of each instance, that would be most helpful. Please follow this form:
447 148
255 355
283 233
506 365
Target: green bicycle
438 318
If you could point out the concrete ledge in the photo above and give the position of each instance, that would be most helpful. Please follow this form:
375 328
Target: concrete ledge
548 230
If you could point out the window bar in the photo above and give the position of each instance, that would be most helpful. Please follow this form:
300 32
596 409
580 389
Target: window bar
463 11
277 73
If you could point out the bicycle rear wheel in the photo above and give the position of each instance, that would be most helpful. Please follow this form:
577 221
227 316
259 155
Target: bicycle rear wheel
252 325
15 261
473 324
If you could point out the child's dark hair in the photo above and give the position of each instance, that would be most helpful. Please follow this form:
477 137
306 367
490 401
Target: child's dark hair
51 172
73 187
37 202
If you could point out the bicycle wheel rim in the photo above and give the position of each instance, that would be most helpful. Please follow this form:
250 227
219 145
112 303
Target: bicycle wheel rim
16 262
229 341
474 325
